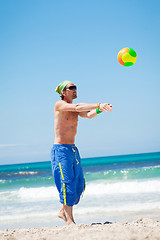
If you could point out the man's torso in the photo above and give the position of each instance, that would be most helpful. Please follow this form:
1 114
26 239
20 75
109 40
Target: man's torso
65 127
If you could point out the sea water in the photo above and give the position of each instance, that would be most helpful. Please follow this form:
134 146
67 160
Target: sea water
118 188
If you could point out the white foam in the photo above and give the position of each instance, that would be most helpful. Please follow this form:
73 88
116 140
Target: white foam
27 173
100 198
130 207
92 189
151 167
41 193
23 173
30 215
44 213
2 181
105 188
30 194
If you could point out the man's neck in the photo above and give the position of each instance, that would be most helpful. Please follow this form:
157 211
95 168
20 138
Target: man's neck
68 100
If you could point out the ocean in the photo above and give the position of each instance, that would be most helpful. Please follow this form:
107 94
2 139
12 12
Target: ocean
118 188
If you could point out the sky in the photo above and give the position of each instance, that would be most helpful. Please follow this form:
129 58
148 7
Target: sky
43 43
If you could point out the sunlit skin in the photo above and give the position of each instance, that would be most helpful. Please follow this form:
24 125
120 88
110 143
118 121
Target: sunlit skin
66 121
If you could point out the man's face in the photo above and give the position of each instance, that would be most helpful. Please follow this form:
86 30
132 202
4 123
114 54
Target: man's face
71 91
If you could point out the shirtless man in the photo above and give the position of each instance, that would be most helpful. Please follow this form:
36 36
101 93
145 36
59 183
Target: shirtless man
65 158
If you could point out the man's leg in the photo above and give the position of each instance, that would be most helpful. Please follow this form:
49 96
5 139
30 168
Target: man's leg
69 215
61 214
66 214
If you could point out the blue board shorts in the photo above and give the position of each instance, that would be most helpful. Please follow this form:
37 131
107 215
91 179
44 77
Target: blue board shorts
67 172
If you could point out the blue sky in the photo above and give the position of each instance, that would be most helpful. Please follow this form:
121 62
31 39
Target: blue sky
45 42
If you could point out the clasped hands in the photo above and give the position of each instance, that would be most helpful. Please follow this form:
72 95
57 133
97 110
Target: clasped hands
107 107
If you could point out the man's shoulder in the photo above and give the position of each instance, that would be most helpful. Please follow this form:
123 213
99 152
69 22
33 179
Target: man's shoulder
60 102
59 105
62 105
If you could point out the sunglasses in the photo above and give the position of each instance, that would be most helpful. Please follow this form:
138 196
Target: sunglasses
72 88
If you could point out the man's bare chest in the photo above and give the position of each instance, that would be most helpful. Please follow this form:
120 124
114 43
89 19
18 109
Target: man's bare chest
71 116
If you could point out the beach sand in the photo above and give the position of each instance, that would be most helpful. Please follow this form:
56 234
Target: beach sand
140 229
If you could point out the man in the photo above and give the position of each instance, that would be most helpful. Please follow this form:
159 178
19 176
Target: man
65 158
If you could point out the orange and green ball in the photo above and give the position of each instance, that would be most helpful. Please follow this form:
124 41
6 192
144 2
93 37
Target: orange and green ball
127 57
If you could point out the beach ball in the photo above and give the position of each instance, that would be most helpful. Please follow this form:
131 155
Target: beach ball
127 57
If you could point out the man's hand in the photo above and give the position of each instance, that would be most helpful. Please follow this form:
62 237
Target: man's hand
105 107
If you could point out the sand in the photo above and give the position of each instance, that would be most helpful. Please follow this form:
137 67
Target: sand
140 229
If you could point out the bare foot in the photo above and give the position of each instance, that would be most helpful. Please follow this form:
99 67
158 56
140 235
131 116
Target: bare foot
62 215
71 223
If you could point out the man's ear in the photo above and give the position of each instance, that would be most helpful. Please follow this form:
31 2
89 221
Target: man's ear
64 93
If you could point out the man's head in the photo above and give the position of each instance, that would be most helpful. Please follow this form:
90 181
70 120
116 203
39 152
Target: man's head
67 90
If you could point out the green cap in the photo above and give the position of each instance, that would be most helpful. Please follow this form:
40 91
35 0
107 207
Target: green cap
61 86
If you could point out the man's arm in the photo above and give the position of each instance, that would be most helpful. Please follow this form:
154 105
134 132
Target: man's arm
82 107
90 114
93 113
